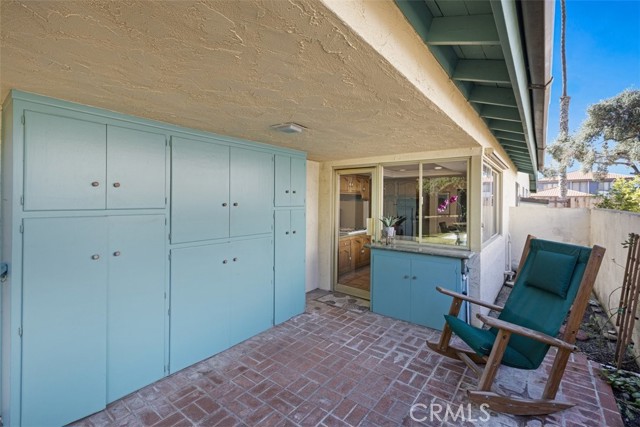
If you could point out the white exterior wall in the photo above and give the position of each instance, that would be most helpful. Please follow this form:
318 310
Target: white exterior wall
559 224
313 187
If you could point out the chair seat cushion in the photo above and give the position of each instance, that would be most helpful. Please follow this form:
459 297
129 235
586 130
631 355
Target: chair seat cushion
481 341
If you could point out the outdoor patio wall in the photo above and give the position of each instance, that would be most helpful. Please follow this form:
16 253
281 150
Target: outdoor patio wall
609 229
564 225
313 187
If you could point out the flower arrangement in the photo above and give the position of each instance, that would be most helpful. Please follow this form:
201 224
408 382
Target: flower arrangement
446 202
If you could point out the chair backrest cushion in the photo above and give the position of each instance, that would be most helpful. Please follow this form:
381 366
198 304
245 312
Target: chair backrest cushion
535 304
552 271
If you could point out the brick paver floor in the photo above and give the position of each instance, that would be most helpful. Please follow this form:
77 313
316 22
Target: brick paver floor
332 367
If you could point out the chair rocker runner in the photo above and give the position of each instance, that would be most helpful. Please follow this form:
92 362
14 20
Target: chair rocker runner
554 279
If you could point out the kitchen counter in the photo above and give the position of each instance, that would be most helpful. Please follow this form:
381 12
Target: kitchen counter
424 249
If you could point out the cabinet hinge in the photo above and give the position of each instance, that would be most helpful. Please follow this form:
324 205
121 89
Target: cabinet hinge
22 119
169 311
165 220
20 332
165 295
169 256
166 369
165 201
22 200
166 142
169 236
21 228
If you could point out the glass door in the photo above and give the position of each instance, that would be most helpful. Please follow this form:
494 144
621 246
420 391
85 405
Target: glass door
354 228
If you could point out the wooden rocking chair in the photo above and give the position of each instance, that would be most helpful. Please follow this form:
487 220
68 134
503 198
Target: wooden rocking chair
553 280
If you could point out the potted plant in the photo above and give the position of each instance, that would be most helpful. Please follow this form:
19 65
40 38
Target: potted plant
388 223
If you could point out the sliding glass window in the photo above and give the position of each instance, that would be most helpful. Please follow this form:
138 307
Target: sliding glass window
430 201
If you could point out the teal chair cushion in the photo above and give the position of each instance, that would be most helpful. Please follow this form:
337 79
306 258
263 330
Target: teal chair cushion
481 341
552 271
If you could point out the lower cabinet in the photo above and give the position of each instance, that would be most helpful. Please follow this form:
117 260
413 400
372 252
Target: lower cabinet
403 286
289 295
219 296
93 313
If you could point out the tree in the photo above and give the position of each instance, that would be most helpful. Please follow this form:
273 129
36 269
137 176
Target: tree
611 134
623 196
561 149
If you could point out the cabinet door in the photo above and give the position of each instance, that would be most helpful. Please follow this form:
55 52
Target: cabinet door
200 307
250 288
282 180
64 319
136 309
199 190
135 169
65 163
298 181
251 192
428 306
391 285
289 294
344 256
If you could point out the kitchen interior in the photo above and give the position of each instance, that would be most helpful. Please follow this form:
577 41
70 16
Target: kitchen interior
354 235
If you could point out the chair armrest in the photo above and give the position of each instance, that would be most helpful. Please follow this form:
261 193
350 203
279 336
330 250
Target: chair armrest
468 298
526 332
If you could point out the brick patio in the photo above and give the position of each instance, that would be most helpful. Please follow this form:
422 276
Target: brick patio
334 367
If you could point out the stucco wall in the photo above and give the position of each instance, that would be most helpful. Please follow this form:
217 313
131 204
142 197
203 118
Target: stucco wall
313 187
609 229
563 225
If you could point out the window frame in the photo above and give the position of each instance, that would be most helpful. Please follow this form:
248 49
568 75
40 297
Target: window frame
497 205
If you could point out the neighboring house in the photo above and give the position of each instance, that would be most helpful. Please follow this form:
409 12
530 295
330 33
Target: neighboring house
583 182
436 110
575 199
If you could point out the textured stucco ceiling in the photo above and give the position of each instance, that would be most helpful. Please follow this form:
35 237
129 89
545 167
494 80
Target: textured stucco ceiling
229 67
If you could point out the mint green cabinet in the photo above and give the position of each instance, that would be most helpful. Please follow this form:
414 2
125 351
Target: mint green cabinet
249 289
290 180
220 295
199 190
251 192
75 164
218 191
135 303
135 169
65 162
93 313
199 304
64 343
403 285
289 295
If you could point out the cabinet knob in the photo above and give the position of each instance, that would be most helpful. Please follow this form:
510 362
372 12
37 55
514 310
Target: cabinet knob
235 259
116 184
286 232
294 191
235 203
414 278
224 205
286 191
406 276
95 257
224 261
95 183
116 253
294 231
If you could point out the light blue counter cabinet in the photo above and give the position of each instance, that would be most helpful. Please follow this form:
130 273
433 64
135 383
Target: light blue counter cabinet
403 285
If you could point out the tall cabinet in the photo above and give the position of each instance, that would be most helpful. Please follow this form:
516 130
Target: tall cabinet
135 249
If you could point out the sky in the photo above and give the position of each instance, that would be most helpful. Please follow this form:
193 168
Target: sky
603 59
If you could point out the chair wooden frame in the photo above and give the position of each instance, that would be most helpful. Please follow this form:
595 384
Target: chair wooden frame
565 346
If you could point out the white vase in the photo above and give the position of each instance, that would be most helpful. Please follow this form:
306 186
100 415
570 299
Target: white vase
390 231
